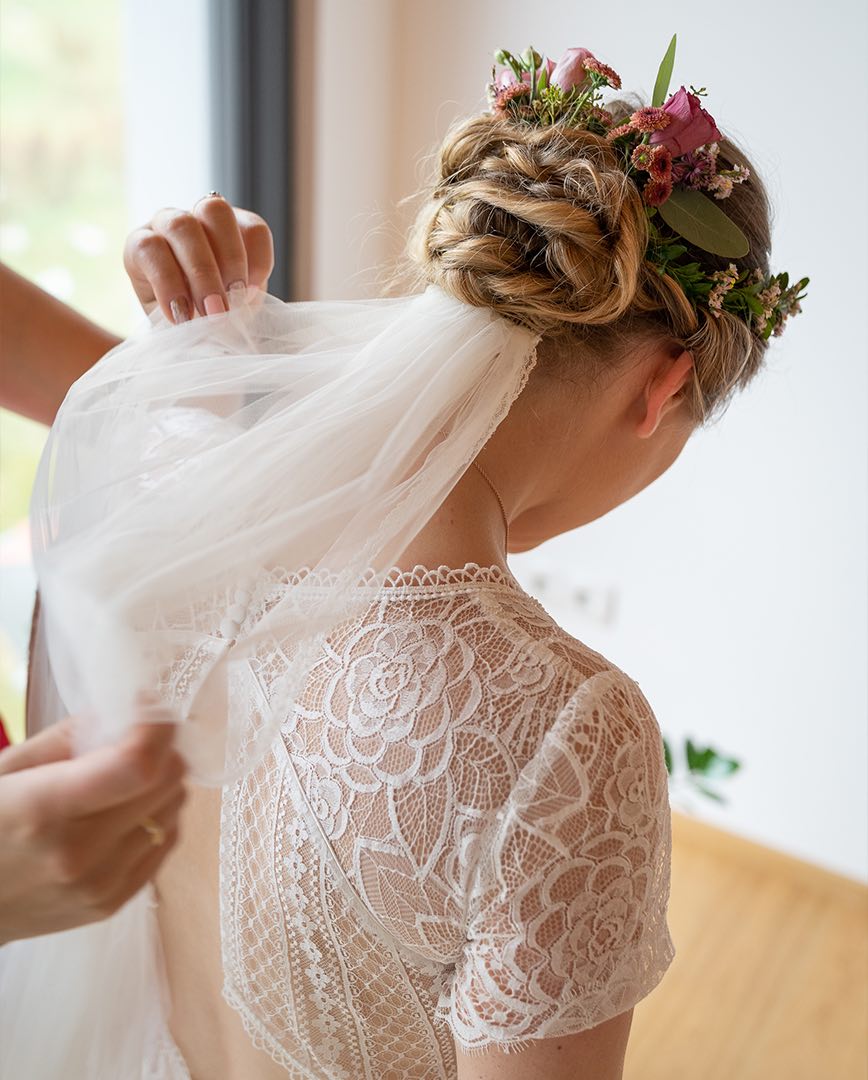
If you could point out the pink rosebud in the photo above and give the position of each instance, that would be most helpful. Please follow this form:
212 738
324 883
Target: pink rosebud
569 71
507 78
690 125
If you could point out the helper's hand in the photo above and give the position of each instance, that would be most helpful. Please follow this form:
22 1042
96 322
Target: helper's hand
81 835
187 260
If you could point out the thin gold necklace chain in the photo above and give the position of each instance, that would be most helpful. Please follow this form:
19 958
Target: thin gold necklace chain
502 508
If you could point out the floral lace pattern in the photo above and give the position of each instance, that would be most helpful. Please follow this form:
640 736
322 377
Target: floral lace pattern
461 835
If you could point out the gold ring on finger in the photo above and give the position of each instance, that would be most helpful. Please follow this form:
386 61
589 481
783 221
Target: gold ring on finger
155 831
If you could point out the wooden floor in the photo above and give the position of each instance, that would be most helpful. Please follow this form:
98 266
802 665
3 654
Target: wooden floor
770 980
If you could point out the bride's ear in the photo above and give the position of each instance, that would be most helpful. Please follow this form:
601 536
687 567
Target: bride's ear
665 389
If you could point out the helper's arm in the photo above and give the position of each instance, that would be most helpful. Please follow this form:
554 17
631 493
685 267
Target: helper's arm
45 345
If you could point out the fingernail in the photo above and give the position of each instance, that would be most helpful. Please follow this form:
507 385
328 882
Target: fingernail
214 304
237 292
180 308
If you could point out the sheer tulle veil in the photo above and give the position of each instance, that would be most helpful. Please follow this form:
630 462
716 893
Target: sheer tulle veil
314 435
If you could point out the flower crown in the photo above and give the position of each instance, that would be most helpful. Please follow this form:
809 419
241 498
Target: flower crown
669 150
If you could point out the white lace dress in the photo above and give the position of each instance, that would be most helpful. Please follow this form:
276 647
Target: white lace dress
461 835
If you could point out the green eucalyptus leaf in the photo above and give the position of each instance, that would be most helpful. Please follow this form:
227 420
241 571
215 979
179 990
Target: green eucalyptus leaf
718 766
694 216
664 74
698 760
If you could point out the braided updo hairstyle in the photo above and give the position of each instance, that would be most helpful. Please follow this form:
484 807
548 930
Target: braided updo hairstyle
541 224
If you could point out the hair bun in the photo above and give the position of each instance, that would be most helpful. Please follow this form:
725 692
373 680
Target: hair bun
539 223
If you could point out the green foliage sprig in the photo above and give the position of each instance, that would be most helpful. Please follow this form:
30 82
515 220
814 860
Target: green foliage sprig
744 293
700 766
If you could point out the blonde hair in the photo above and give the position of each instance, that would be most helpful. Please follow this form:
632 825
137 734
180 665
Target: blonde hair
541 224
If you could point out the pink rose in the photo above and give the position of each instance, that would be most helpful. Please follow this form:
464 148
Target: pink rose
569 70
690 125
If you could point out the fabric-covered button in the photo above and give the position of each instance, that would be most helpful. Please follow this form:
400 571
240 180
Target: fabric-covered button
228 628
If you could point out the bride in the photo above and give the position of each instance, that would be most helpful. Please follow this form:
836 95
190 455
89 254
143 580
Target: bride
430 835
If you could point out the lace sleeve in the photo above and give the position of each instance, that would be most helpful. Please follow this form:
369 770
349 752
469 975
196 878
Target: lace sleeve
567 916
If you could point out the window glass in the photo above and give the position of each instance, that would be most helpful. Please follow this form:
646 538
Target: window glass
62 223
93 142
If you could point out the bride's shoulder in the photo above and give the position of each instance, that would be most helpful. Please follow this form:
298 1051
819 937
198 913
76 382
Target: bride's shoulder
490 612
481 610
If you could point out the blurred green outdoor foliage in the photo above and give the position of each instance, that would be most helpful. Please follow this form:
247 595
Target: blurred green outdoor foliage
63 213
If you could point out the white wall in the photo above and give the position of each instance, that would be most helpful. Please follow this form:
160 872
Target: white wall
740 574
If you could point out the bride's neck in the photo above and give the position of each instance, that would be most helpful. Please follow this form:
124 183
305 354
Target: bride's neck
467 527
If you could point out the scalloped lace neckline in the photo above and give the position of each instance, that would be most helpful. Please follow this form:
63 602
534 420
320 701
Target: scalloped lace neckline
418 578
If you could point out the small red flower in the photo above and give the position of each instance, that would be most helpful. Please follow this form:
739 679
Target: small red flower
622 129
591 63
656 160
506 94
661 163
642 157
650 119
601 114
656 192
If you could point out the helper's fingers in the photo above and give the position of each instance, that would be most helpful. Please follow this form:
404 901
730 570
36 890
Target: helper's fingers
259 245
52 744
109 775
190 245
103 898
143 872
187 261
110 877
156 275
220 223
99 832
